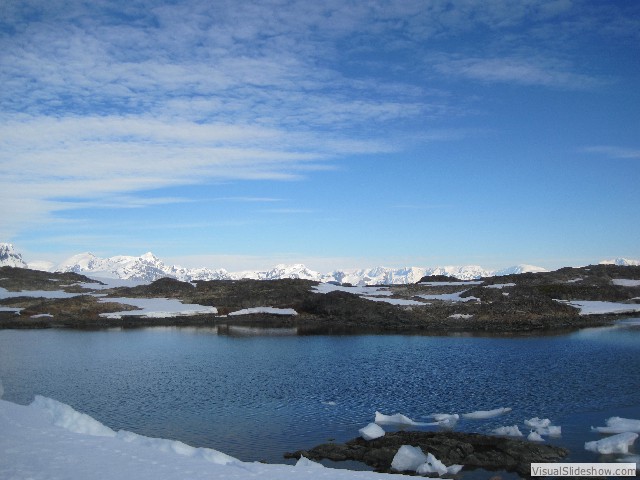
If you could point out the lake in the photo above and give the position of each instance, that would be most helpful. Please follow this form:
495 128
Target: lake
257 394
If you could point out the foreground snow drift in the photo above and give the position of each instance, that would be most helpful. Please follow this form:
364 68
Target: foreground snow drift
48 439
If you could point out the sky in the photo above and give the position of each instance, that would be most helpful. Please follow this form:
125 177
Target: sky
340 134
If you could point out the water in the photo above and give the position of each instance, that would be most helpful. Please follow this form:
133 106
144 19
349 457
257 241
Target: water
256 397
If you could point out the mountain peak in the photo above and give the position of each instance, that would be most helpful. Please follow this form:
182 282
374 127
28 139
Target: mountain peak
9 257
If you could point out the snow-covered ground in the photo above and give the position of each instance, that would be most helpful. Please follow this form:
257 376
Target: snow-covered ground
269 310
625 282
48 440
157 307
592 307
375 294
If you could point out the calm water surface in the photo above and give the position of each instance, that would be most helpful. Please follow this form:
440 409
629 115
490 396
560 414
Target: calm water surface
256 396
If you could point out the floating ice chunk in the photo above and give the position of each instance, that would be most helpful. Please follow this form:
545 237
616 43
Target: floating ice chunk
535 437
454 469
619 443
371 431
619 425
511 431
482 414
432 465
408 458
305 462
447 420
551 431
397 419
536 422
65 416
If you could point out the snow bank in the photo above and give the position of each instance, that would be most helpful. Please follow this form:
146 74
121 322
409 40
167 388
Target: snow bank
619 425
34 447
619 443
371 432
396 301
510 431
482 414
269 310
65 416
157 308
592 307
621 282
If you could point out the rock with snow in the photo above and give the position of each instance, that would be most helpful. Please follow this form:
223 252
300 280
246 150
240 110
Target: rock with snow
9 257
371 431
619 443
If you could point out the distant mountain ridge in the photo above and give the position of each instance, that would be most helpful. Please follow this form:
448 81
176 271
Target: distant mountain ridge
148 267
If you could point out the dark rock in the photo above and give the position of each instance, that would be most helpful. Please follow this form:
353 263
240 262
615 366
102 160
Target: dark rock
472 450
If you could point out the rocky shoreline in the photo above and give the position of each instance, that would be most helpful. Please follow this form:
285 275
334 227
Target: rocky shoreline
529 303
472 450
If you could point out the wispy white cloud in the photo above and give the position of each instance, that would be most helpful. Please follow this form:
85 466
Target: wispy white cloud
614 152
523 71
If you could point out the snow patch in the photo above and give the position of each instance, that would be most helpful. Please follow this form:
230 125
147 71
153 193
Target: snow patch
593 307
269 310
157 308
621 282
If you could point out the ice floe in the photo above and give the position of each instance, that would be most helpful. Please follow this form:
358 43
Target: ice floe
447 420
534 437
157 307
409 458
371 431
397 419
542 426
619 425
304 462
509 431
619 443
269 310
482 414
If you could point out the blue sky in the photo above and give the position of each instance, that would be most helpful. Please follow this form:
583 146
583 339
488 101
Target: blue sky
340 134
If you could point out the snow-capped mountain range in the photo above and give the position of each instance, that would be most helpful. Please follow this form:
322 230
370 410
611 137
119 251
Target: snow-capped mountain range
148 267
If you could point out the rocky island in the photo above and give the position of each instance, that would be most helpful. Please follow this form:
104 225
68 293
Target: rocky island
562 300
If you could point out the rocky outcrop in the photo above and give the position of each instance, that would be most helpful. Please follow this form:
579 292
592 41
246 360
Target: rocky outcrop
472 450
